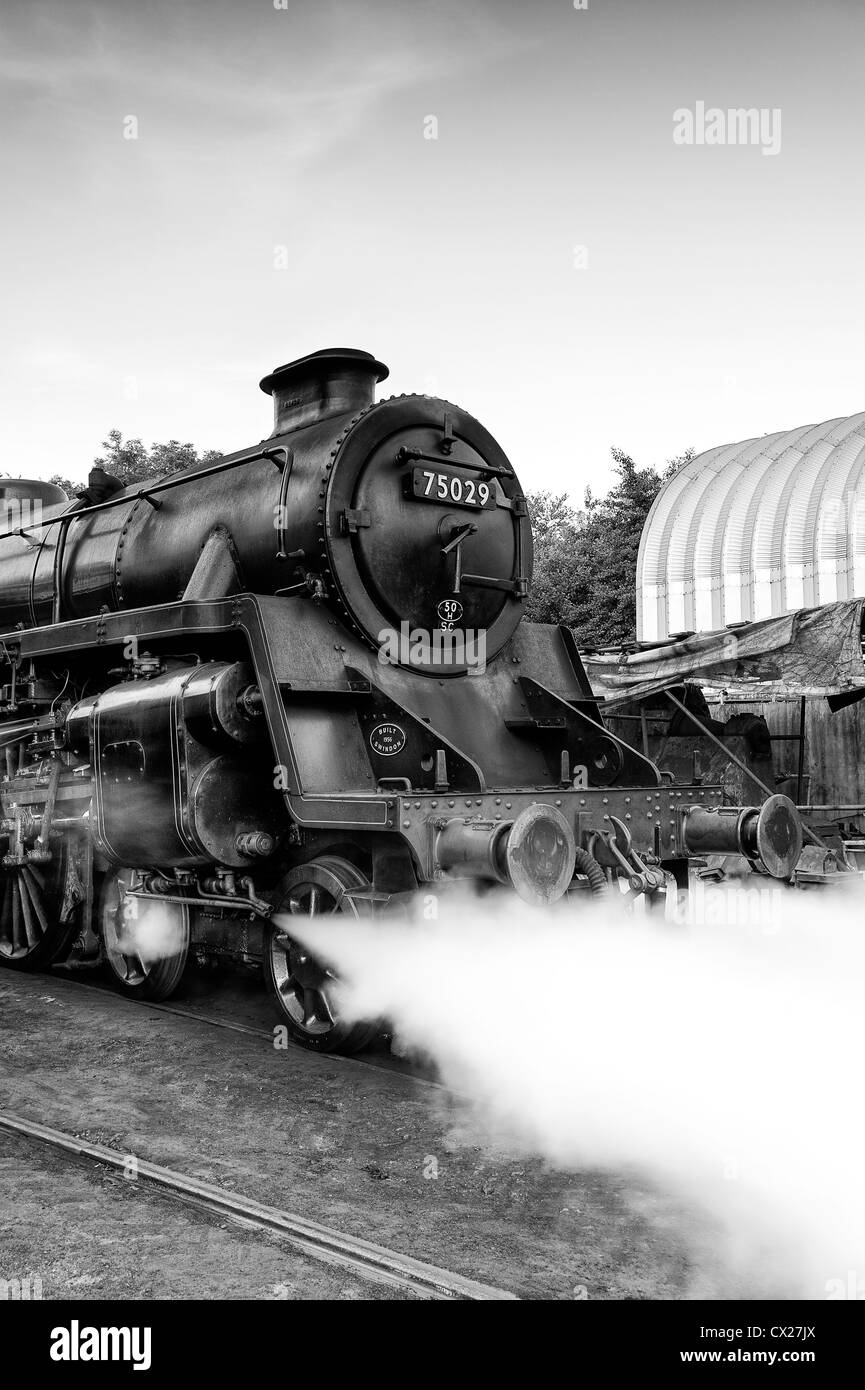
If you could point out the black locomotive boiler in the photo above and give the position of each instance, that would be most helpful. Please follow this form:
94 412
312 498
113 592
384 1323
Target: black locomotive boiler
297 680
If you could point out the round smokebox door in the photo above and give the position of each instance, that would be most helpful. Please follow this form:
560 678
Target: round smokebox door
429 543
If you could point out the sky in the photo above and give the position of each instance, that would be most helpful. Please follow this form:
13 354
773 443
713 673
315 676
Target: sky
282 195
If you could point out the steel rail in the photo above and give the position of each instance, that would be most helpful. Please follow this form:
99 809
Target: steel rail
322 1242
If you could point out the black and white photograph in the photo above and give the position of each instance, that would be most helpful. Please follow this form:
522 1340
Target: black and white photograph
432 672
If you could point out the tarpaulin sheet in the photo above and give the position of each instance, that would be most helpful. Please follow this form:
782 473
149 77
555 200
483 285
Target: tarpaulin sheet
814 651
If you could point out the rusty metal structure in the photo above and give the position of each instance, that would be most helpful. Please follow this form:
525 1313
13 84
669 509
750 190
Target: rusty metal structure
298 681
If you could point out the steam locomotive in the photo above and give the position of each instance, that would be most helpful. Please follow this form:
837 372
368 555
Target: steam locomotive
297 681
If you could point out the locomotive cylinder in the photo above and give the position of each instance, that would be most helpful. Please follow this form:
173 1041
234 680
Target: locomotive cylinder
181 767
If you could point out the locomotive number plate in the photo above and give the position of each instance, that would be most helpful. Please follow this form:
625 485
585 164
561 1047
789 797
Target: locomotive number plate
440 485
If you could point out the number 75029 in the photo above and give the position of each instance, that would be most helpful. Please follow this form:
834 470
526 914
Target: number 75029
449 487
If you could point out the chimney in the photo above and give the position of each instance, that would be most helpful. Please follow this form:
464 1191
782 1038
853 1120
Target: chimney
331 382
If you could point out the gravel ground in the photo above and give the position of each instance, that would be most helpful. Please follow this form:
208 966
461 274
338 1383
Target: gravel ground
89 1233
363 1148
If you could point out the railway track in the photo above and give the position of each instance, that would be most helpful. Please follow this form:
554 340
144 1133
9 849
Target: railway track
364 1258
374 1262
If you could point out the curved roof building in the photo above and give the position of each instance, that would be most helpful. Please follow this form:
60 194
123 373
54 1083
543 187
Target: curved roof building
753 530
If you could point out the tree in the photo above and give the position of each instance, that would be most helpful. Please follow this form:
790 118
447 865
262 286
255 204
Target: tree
132 462
586 562
556 529
67 484
611 543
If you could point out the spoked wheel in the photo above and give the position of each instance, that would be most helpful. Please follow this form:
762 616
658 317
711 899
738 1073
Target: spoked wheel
145 944
305 988
39 917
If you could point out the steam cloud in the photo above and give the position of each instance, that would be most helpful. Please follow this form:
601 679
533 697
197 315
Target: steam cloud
722 1062
152 934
